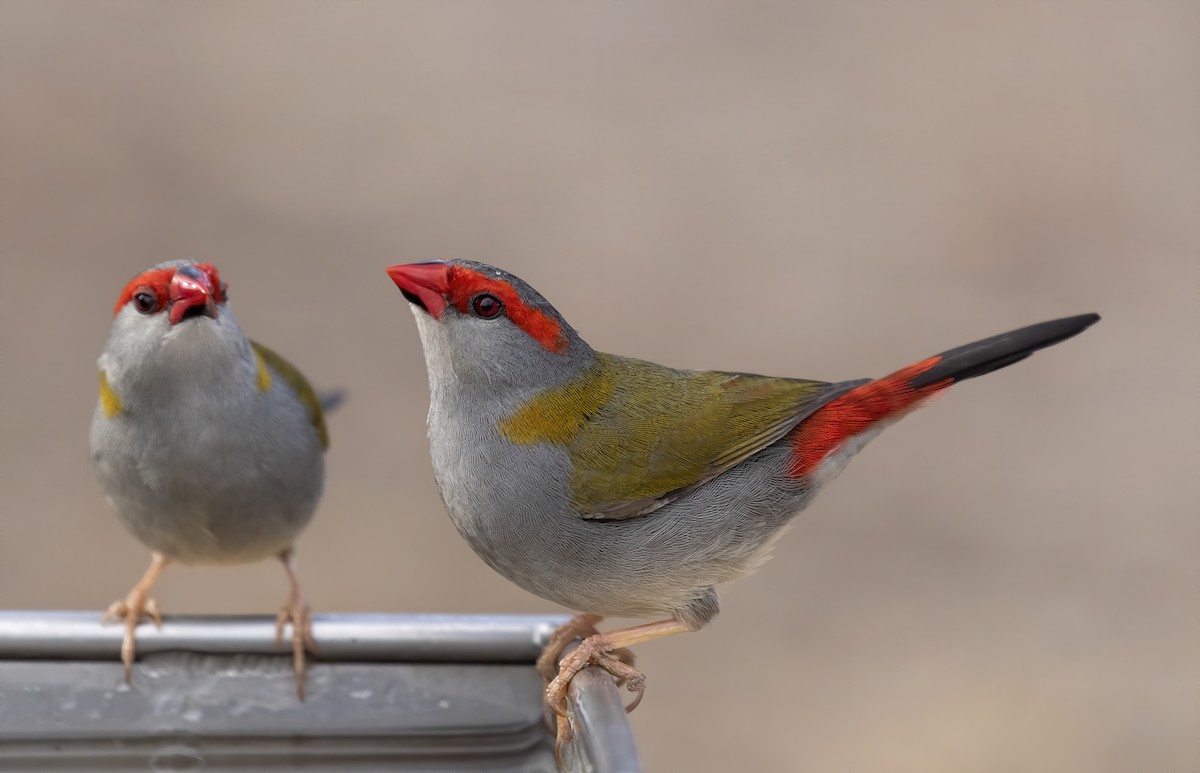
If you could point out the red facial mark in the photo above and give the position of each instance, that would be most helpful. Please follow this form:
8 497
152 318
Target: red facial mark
467 283
154 280
158 281
214 277
857 411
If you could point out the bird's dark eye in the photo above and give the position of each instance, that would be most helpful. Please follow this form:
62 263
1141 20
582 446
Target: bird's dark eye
224 292
487 306
145 300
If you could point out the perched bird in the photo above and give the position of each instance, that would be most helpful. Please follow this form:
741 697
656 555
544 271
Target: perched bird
208 445
619 487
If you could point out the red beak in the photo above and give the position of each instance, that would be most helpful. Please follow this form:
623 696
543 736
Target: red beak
190 294
424 284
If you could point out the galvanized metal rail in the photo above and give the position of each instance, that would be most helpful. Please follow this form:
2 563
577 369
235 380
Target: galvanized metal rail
408 692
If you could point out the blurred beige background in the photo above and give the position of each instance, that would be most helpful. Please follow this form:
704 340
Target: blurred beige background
1007 581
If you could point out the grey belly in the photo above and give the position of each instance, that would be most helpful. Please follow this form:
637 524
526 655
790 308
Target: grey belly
661 564
210 502
213 529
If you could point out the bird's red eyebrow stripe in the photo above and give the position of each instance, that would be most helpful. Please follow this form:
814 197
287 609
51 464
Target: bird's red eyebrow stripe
466 283
156 279
159 279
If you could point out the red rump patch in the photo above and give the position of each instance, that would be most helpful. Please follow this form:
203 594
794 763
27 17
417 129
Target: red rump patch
466 283
856 411
157 280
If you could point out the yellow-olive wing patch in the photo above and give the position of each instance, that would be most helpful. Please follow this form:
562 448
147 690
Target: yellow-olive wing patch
268 362
640 434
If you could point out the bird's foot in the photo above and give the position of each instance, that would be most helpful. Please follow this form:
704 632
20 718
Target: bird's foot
132 610
581 626
600 650
597 651
296 611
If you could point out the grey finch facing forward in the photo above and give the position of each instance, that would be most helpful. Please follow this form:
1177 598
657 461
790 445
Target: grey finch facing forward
209 446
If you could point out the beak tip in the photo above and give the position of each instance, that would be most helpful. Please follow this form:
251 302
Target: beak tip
423 284
190 290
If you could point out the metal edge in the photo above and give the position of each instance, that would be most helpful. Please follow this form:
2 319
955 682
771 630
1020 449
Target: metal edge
603 741
361 637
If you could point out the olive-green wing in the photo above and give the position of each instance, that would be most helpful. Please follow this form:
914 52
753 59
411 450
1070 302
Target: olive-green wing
640 435
299 384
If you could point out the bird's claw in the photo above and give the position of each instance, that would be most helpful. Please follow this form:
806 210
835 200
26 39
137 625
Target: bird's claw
625 674
562 736
581 626
556 692
131 611
298 613
116 611
593 651
151 609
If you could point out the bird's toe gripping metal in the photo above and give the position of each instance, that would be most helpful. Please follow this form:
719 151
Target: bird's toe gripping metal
131 611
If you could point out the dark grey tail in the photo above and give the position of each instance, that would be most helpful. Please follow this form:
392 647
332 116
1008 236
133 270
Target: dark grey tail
1002 350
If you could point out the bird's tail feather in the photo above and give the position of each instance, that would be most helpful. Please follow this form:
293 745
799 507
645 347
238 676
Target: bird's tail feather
331 399
1000 351
887 399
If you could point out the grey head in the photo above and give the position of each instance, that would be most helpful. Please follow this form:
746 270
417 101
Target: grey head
483 326
169 322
